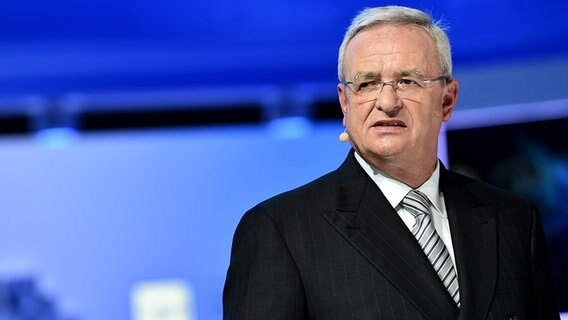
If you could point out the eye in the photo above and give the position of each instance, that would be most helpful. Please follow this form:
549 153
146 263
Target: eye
368 85
407 83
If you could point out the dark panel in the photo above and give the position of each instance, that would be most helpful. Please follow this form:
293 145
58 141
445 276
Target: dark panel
160 118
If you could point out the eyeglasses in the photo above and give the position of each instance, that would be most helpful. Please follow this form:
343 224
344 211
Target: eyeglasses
404 87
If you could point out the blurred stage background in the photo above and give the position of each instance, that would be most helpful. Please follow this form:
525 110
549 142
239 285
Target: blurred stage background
134 135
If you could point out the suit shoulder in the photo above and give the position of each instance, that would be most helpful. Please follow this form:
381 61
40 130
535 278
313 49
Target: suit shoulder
313 196
307 193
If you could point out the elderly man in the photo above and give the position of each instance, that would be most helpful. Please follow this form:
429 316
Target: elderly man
391 234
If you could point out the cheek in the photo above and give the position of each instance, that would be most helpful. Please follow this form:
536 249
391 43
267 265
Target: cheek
426 121
435 116
432 112
360 113
350 118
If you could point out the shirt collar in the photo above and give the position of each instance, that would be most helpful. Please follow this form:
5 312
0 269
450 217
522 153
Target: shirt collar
395 190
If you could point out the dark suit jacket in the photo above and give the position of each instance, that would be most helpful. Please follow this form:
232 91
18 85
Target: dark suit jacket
336 249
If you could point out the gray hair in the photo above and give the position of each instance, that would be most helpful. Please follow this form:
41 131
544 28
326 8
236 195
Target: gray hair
399 15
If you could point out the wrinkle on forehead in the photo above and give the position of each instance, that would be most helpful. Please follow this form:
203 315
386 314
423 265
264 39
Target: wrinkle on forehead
409 45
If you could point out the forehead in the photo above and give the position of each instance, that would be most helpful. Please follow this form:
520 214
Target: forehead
391 48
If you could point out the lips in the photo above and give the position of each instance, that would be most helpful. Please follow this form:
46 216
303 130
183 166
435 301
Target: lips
390 123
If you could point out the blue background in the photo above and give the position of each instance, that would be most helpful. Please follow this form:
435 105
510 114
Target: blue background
64 45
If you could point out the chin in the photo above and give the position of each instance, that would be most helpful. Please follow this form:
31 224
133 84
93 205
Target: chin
386 148
383 152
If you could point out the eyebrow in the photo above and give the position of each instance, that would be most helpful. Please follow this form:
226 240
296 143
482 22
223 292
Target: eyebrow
377 75
366 75
411 72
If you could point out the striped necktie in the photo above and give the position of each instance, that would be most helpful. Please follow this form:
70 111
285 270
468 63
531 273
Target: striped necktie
423 230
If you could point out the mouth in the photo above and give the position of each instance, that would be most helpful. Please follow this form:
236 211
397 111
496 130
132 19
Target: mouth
390 123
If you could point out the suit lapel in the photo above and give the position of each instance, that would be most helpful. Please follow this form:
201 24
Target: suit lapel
367 221
474 237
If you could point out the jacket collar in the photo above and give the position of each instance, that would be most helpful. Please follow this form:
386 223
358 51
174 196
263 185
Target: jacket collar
368 222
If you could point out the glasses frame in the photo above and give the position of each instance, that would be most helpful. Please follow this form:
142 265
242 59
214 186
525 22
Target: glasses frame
422 83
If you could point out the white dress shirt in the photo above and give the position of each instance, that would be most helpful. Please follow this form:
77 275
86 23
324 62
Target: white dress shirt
395 191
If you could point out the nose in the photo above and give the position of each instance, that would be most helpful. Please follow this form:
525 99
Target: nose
388 100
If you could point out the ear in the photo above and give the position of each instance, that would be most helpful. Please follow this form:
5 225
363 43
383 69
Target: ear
343 100
450 99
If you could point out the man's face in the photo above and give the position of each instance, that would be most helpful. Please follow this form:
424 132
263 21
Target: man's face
387 125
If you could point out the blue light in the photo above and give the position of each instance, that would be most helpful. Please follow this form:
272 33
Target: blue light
289 128
56 138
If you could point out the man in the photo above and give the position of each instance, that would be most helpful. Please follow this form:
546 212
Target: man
391 234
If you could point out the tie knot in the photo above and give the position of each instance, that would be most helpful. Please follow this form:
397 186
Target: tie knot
416 203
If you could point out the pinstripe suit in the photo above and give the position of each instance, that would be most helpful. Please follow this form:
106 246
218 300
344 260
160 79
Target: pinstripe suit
336 249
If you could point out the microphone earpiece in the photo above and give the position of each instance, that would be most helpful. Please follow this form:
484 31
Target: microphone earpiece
344 136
